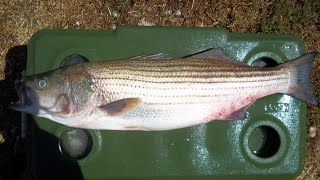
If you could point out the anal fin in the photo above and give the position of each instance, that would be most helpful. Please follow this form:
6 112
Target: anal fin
239 114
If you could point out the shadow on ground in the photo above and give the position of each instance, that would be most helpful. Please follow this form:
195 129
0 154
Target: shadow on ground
12 150
26 157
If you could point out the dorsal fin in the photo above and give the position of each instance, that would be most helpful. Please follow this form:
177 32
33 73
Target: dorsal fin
72 60
215 54
157 56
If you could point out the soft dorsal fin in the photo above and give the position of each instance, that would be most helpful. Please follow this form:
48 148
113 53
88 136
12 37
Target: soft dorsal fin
158 56
121 106
215 54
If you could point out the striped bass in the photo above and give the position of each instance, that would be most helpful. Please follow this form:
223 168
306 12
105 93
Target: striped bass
155 92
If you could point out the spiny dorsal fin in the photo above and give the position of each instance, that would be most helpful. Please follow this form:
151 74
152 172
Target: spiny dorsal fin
158 56
121 106
72 60
215 55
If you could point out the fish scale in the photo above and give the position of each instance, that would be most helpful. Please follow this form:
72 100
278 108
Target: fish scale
158 93
181 93
153 87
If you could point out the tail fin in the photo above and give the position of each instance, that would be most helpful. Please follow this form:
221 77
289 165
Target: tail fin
300 71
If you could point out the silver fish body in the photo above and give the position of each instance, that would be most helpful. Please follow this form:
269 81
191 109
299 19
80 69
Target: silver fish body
144 94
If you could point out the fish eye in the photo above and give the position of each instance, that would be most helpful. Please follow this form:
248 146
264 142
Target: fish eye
42 83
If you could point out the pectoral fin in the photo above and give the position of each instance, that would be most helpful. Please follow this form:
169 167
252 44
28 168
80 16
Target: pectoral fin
120 107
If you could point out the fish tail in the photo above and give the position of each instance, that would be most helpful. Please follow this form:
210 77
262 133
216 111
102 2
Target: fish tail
300 72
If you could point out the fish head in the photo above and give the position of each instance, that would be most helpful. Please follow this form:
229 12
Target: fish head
43 93
58 95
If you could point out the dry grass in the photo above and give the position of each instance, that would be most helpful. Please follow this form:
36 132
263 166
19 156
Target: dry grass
20 19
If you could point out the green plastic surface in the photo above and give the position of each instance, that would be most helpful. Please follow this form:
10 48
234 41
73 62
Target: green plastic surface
218 150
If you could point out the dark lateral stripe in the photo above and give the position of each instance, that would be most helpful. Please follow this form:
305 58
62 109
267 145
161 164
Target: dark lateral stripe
178 97
178 70
178 88
173 65
188 81
150 66
168 65
152 63
192 68
195 79
208 89
187 74
157 62
212 71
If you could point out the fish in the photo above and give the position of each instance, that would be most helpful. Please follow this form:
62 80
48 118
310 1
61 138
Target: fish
158 93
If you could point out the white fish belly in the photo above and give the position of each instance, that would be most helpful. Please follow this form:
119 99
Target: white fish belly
155 117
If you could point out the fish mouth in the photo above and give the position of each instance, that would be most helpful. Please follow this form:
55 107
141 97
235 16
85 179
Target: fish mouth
25 98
